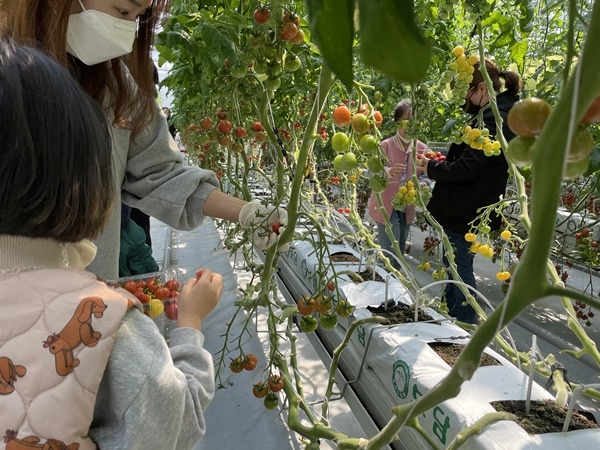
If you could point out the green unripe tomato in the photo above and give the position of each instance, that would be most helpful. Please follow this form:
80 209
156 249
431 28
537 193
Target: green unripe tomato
337 163
377 183
520 151
528 116
238 72
273 84
271 400
368 144
293 64
308 324
340 142
349 162
260 67
374 164
576 168
581 145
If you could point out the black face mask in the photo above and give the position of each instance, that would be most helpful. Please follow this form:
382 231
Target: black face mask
471 108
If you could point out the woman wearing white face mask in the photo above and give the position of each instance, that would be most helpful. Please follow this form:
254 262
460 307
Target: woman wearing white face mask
398 151
106 45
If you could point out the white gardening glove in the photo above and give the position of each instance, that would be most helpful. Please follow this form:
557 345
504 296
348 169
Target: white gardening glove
267 223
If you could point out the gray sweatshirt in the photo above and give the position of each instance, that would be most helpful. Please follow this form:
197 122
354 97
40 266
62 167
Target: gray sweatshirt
145 401
150 175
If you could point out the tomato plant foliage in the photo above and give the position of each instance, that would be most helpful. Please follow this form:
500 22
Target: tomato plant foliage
279 96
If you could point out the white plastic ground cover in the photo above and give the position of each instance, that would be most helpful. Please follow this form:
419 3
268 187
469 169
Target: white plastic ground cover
406 367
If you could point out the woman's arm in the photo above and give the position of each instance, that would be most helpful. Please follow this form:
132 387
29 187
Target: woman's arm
222 206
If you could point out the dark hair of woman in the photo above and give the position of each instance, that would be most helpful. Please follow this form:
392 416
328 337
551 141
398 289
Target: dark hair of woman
43 25
512 82
56 171
402 107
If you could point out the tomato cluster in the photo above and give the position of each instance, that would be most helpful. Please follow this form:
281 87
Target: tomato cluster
157 296
350 145
460 73
408 194
268 390
587 247
430 154
327 311
247 362
583 312
479 139
527 119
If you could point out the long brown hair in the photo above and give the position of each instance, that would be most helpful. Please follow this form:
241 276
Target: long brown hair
43 24
512 82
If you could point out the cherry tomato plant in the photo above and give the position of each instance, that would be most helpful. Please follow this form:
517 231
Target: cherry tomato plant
291 96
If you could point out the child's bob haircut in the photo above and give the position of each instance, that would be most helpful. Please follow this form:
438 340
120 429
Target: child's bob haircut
55 151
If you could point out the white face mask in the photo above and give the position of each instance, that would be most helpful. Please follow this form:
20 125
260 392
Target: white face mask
95 37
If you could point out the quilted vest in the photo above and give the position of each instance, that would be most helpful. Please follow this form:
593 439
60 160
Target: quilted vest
58 328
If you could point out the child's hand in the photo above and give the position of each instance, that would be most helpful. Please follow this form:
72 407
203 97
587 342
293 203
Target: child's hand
198 297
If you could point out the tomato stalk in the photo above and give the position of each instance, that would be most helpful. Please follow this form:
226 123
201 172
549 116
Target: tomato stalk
337 353
478 427
326 81
412 283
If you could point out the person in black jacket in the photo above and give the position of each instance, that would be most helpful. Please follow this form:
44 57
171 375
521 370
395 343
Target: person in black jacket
469 180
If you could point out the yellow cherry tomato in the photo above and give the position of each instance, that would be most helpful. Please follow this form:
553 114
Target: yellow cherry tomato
503 276
458 50
506 235
470 237
156 307
483 249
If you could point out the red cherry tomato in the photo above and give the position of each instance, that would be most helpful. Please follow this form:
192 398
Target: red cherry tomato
261 15
236 365
225 126
275 227
250 362
171 311
260 389
275 383
173 285
162 292
130 286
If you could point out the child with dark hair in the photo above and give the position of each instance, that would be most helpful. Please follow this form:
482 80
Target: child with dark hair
80 365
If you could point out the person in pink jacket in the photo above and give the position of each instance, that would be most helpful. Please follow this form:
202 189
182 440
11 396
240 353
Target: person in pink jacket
81 367
398 150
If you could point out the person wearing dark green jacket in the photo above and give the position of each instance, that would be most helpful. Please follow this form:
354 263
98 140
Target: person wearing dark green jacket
135 256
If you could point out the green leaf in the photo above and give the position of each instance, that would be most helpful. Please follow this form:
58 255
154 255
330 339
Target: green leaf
181 39
391 41
527 15
332 30
518 51
218 45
